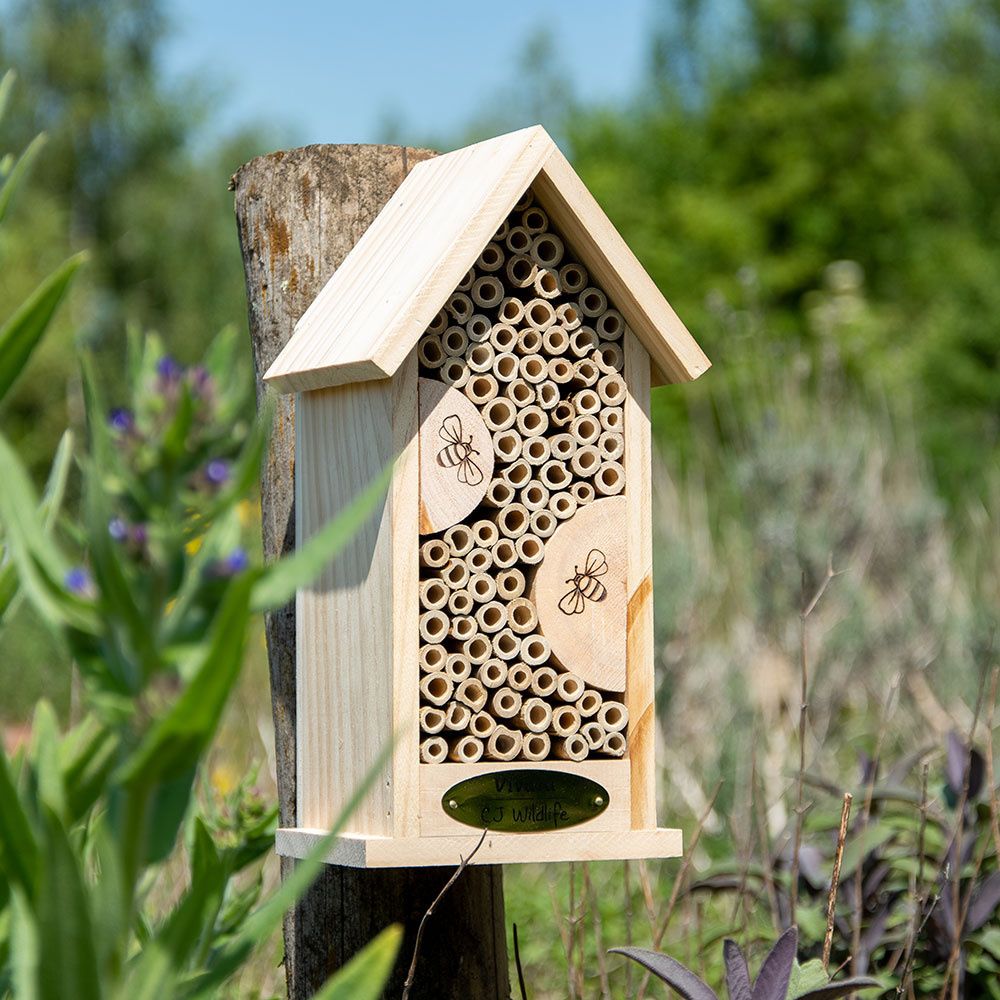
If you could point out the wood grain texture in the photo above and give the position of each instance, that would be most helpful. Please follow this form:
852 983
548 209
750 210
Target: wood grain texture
299 213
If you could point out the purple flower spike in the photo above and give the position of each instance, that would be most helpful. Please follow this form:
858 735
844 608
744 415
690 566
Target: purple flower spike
118 529
121 420
168 368
217 471
78 582
201 381
236 562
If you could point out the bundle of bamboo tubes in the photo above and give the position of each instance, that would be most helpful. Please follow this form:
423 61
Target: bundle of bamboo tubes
537 348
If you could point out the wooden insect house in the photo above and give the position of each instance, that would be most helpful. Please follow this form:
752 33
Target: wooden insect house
492 336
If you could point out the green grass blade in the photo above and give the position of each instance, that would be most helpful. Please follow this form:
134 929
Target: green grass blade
19 851
25 947
363 977
23 165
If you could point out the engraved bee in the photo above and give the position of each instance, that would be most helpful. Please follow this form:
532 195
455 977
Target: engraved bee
458 452
586 586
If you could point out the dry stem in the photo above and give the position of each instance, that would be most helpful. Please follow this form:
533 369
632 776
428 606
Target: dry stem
835 880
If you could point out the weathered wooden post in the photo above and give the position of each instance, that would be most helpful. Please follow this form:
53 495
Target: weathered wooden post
299 213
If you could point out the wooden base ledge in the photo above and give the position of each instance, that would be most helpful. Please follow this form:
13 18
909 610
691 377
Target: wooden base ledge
358 851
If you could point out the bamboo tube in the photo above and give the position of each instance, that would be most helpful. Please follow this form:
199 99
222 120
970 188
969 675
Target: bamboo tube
458 667
458 538
455 573
567 316
455 372
563 446
611 389
467 750
612 418
613 715
570 687
582 493
503 744
536 451
479 560
437 687
501 234
512 520
506 645
487 291
520 392
431 719
499 494
529 341
585 428
536 746
434 553
492 258
460 602
586 402
555 340
457 716
479 328
459 306
560 370
522 616
533 369
519 676
543 681
582 344
505 703
491 616
518 474
547 250
534 220
548 395
562 505
610 325
589 703
439 324
611 446
535 497
609 357
518 240
433 594
503 336
433 750
433 626
481 388
499 414
524 201
463 627
481 725
554 475
594 734
492 673
432 658
534 715
507 445
563 414
532 421
430 353
565 720
504 553
520 270
505 367
530 549
546 283
454 341
535 651
480 357
485 533
573 278
540 313
467 279
614 745
470 692
572 747
510 313
510 585
610 479
542 523
592 302
477 649
585 373
586 461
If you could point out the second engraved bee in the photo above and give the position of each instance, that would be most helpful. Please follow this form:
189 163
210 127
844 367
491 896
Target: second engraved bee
458 452
586 586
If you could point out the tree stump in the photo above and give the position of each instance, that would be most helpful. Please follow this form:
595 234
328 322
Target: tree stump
299 213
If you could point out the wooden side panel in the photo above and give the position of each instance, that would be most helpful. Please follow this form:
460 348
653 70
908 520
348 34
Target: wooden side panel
344 633
641 727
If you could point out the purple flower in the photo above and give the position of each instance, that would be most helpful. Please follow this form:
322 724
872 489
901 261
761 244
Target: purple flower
139 535
201 381
118 529
121 420
78 582
168 369
236 562
217 471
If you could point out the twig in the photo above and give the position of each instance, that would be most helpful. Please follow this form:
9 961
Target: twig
602 965
845 815
430 909
765 845
918 918
517 965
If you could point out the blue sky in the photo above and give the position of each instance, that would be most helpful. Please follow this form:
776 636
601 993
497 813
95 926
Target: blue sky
339 72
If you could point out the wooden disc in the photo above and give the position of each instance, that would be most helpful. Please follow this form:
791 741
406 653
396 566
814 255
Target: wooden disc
579 593
456 456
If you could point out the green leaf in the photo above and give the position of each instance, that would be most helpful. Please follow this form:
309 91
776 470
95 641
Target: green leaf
24 161
167 807
6 89
87 754
806 977
45 758
19 853
21 333
25 949
279 582
364 976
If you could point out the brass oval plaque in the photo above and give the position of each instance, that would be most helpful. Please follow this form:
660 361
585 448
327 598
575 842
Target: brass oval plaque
525 801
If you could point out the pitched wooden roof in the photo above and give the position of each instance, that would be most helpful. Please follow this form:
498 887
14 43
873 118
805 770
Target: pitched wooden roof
374 308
